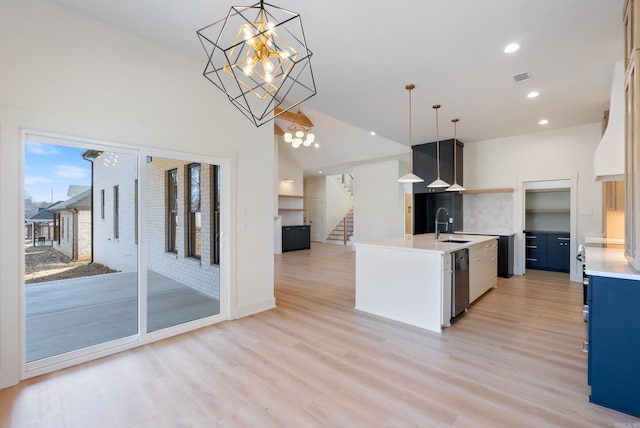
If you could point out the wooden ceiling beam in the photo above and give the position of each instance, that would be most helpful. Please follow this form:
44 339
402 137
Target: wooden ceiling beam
277 130
290 116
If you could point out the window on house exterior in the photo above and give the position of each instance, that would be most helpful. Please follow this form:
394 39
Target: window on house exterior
116 212
61 228
215 203
135 214
102 204
172 211
195 214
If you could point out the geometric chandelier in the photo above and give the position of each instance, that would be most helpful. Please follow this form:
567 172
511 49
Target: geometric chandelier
259 58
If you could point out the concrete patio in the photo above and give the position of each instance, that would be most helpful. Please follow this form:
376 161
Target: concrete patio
66 315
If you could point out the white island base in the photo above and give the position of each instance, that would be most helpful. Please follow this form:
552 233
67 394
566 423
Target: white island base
408 279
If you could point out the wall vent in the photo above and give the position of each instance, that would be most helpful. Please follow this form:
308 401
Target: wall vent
522 77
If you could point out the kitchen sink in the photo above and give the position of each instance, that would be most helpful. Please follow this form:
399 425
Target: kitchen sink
455 241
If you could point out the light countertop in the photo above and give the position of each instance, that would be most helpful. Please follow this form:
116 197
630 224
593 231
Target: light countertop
496 232
427 242
609 262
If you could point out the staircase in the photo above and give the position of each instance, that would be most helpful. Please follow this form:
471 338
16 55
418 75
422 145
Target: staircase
337 234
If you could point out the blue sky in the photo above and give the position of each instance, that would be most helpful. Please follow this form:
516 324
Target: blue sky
49 168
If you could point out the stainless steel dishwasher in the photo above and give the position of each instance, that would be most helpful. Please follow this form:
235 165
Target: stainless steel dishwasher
460 283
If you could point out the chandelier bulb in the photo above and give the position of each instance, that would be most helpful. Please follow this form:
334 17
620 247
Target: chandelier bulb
268 77
311 137
247 70
299 134
288 137
268 66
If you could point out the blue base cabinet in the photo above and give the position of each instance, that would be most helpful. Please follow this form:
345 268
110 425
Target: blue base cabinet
614 343
548 250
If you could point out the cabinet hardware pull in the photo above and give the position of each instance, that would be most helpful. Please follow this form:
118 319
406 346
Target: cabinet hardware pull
531 237
532 246
564 239
585 347
532 260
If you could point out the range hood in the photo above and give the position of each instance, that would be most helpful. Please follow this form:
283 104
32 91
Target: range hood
608 162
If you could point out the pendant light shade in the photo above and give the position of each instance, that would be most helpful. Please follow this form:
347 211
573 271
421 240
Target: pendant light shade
438 182
410 177
455 187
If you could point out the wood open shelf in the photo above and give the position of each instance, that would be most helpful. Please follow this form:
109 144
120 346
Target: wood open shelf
290 209
291 196
554 210
479 191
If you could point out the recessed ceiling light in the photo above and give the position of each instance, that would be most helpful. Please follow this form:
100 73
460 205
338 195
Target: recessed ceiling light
532 94
316 145
319 172
543 122
511 48
372 133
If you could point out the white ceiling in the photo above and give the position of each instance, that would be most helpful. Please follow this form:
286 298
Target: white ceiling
364 53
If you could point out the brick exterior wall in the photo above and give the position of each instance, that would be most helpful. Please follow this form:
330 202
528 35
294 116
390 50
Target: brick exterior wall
83 237
199 274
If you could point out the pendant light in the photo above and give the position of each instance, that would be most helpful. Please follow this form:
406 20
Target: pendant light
455 187
410 177
437 182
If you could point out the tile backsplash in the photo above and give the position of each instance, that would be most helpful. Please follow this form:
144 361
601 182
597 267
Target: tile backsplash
488 212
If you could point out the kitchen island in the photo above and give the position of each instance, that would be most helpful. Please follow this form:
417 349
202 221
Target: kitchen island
408 279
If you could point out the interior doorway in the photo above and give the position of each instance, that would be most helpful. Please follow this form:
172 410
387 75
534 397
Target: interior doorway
549 226
316 219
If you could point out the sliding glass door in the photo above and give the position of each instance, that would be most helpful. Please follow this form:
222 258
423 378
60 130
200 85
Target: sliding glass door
102 229
81 250
183 227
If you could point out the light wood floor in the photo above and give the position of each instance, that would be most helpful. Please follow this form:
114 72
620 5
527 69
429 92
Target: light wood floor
514 360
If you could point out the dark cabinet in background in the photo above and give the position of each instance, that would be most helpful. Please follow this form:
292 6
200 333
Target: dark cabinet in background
425 206
425 164
505 255
548 250
296 238
558 252
426 200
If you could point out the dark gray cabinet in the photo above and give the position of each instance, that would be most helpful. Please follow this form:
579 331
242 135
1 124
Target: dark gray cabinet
505 255
296 237
548 250
614 343
425 206
427 200
425 164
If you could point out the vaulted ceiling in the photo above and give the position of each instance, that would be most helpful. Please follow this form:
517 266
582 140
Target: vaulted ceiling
364 53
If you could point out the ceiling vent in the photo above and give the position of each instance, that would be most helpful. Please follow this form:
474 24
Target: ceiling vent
522 77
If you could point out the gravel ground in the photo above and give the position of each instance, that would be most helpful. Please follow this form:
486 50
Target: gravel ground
44 263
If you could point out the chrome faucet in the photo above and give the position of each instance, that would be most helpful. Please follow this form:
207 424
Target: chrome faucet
446 223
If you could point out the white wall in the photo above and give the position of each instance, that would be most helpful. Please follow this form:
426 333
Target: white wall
71 75
552 155
287 169
378 201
